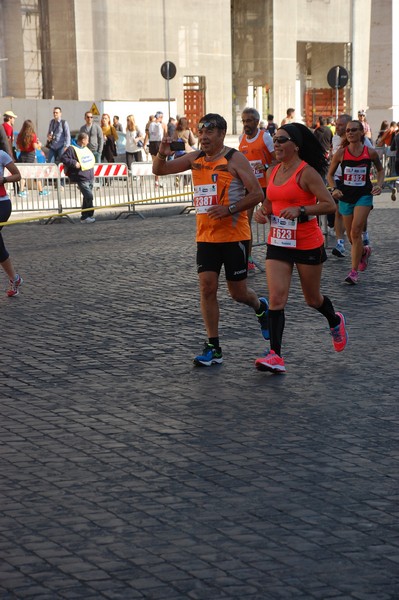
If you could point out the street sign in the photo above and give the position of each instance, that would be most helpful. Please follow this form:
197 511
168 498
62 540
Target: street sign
168 70
337 77
94 110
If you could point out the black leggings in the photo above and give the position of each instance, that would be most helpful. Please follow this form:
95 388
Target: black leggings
5 212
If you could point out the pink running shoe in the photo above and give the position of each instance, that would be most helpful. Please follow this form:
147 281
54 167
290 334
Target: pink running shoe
339 334
271 362
352 278
14 285
251 269
364 261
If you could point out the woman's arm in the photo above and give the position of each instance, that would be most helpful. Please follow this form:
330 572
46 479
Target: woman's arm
312 182
15 174
376 190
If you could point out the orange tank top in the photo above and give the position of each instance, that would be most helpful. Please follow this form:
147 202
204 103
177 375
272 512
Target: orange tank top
214 184
258 155
309 234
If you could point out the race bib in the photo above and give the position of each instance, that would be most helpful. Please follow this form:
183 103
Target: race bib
355 176
205 196
283 232
258 168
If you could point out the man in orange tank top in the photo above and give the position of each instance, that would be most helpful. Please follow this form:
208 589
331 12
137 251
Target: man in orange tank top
258 147
225 187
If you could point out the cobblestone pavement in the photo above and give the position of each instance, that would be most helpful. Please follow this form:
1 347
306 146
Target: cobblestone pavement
127 473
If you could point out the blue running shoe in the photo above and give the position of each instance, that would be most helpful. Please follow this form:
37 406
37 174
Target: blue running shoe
263 318
209 357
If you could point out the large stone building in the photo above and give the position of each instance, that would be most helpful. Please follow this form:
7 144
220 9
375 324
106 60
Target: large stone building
229 54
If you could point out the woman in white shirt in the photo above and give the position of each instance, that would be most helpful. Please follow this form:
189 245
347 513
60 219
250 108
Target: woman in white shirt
134 142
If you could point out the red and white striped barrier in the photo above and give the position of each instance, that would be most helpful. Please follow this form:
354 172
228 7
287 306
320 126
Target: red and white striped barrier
105 170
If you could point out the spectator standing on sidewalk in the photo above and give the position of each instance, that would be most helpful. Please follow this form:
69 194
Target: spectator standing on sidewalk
134 142
290 116
156 131
116 123
363 120
58 136
110 136
28 143
6 161
4 145
8 126
79 164
96 138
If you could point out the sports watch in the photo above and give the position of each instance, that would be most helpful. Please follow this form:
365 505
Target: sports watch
303 217
232 208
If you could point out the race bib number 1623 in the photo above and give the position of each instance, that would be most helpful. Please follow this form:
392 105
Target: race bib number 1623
283 232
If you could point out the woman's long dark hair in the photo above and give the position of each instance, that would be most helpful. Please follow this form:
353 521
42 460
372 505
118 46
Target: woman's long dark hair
310 149
26 134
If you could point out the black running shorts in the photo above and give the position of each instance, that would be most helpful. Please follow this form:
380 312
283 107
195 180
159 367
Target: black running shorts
316 256
154 147
233 255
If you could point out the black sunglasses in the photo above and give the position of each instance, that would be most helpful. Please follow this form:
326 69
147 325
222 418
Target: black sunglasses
206 125
281 139
352 129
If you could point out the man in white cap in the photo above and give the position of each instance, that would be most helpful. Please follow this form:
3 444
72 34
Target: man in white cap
8 125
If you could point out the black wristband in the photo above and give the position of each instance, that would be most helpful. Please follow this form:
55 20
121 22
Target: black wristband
5 180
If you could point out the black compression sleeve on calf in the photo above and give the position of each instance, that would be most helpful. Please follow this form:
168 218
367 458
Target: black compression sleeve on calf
327 310
276 329
215 342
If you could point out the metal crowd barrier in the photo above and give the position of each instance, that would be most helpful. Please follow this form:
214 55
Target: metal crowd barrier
38 190
111 186
167 189
46 187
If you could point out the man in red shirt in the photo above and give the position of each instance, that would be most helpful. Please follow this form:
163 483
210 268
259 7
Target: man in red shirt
9 120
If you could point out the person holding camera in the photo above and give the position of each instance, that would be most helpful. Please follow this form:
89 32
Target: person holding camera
58 137
295 196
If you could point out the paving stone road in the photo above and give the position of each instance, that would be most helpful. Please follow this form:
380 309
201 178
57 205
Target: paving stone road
126 473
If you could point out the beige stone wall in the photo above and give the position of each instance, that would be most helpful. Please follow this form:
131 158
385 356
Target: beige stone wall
121 46
381 72
13 82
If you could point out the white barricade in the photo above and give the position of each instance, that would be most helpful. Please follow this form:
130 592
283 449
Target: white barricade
38 188
167 189
45 186
111 186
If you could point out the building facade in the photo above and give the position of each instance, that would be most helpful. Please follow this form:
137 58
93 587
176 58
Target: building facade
228 54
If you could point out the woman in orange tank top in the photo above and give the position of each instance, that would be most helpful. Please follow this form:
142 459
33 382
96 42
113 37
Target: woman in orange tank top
296 196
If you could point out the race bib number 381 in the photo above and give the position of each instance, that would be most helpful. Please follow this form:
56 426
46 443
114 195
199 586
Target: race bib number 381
205 196
283 232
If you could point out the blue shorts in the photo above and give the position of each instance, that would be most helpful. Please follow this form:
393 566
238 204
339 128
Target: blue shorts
346 209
